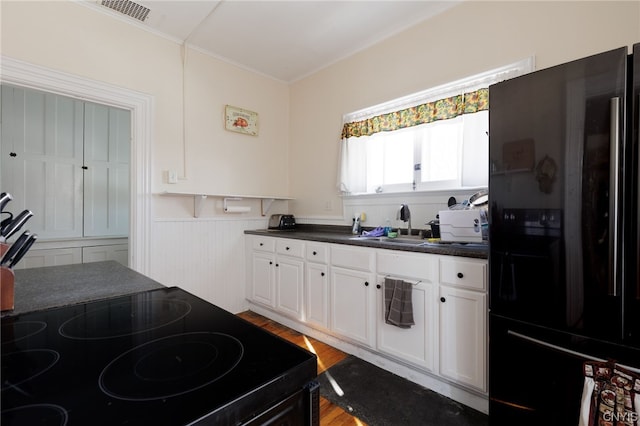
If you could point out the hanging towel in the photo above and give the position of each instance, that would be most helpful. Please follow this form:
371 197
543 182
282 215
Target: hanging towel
397 301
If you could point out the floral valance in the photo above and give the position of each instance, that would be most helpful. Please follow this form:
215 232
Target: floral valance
441 109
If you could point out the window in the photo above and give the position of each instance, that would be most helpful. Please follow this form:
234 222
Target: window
433 140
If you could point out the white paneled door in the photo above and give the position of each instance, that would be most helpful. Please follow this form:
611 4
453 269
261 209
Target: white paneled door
68 161
107 133
42 154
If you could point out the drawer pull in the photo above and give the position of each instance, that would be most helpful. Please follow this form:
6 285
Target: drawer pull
286 248
261 244
315 252
460 275
442 299
322 274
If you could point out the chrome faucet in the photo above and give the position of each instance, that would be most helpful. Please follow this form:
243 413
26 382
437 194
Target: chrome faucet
404 214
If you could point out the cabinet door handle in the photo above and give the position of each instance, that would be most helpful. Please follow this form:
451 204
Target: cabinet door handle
366 283
261 244
286 248
460 275
270 263
442 299
277 265
13 154
322 274
314 253
378 286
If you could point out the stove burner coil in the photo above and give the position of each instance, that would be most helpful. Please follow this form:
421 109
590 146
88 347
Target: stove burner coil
124 319
36 414
171 366
15 331
21 366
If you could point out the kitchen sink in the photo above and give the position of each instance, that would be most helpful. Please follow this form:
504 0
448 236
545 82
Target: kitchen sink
398 240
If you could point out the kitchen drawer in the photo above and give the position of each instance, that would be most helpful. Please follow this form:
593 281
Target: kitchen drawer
263 244
293 248
352 257
467 273
317 252
415 266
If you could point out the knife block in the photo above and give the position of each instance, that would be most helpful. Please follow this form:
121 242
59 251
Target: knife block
7 286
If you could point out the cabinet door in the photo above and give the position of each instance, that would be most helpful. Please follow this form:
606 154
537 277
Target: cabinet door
352 299
106 175
317 295
415 344
41 163
463 336
262 290
117 252
50 257
289 286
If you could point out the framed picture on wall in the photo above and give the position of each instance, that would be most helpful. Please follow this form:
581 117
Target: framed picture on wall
240 120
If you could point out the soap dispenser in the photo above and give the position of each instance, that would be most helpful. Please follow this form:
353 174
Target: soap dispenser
356 225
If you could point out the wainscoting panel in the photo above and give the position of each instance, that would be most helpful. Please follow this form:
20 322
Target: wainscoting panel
205 257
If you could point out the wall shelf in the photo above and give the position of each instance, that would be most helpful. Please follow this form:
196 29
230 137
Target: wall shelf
199 198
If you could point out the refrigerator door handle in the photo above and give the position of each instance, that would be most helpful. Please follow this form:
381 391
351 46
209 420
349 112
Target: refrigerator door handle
614 190
565 350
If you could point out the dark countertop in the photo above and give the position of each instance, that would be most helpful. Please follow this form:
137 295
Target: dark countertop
55 286
342 235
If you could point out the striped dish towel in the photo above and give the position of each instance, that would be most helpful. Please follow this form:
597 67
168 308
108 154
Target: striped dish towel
397 302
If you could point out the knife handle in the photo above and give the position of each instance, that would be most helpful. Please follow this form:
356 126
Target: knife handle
23 250
15 247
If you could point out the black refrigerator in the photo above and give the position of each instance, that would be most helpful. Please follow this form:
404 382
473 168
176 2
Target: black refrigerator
564 241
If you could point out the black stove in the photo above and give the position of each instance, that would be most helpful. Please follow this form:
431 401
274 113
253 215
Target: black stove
162 357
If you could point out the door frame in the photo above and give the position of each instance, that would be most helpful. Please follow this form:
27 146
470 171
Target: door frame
141 106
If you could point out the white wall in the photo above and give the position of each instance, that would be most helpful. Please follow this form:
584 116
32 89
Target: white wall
471 38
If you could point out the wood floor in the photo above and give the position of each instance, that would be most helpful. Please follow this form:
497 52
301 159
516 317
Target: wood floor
330 414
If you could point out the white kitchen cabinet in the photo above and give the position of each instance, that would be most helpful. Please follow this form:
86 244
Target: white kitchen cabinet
317 285
277 274
262 275
118 253
341 291
352 294
417 344
289 277
463 319
35 258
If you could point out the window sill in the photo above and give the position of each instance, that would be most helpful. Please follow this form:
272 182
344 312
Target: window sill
405 194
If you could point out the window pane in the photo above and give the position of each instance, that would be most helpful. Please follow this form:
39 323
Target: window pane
475 157
440 147
398 153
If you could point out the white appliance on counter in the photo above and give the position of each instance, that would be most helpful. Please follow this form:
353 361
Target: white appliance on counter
460 226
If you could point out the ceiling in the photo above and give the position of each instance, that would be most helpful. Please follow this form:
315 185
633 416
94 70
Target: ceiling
286 40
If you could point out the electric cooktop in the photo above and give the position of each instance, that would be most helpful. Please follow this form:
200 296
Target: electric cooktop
162 357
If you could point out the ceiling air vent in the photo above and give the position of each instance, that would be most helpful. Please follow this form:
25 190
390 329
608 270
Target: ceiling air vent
129 8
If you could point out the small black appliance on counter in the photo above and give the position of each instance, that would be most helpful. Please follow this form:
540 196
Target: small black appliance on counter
282 222
161 357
